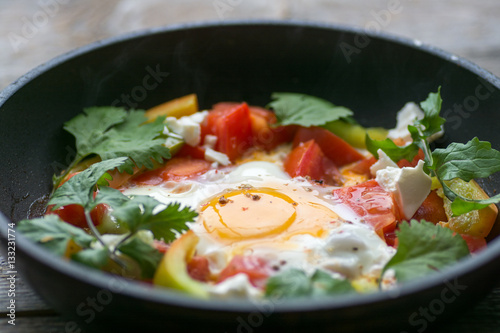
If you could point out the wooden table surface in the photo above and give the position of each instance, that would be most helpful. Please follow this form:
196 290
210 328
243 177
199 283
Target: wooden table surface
32 32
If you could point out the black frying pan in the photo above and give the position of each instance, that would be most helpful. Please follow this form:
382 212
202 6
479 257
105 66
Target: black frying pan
372 74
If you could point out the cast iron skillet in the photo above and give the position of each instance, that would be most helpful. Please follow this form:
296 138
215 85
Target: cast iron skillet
372 74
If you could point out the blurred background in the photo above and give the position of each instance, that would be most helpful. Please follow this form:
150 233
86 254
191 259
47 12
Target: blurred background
32 32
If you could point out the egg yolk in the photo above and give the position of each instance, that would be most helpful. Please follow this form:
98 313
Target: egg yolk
257 213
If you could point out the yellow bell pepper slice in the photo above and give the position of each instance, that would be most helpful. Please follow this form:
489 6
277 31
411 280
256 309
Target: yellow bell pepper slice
476 223
178 107
172 271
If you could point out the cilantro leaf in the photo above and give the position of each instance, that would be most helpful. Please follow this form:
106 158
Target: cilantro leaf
294 283
134 139
89 128
144 254
111 132
146 213
79 189
305 110
423 248
95 258
53 233
393 151
475 159
432 122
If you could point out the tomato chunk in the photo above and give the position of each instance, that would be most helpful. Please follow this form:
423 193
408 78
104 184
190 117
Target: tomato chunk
336 149
307 159
370 201
177 168
475 244
233 128
432 209
255 268
264 135
74 214
198 268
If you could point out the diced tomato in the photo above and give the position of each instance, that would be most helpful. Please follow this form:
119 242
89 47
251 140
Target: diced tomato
432 209
255 268
177 168
361 167
336 149
373 204
189 151
160 245
307 159
475 244
405 163
232 127
264 135
198 268
74 214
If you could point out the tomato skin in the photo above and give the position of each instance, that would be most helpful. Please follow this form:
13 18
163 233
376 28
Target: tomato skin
255 268
373 204
74 214
198 268
233 128
432 209
177 168
336 149
307 159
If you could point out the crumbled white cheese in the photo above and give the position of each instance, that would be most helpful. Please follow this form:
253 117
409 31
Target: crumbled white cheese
410 186
210 141
188 127
237 286
383 162
215 156
406 116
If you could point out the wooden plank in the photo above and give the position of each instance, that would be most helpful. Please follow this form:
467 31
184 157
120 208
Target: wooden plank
25 298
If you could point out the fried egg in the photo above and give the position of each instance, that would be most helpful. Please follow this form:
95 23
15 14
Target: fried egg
255 208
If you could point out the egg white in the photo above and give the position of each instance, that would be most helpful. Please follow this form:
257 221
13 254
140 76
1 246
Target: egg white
349 249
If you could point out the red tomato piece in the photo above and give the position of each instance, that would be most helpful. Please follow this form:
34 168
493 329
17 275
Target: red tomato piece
370 201
189 151
432 209
264 135
74 214
475 244
307 159
255 268
160 245
198 268
335 148
177 168
362 167
232 127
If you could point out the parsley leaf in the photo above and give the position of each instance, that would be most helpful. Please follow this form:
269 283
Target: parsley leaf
95 258
294 283
80 188
423 248
144 212
305 110
111 132
144 254
53 233
393 151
